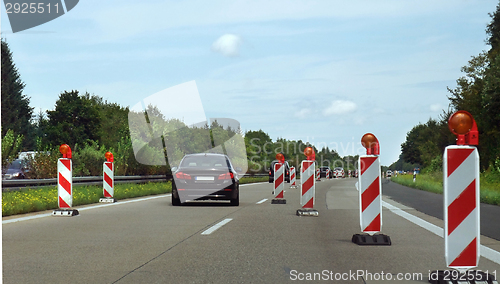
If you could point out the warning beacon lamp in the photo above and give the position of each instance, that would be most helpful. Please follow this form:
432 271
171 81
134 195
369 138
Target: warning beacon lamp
310 155
370 142
280 157
65 151
109 157
463 125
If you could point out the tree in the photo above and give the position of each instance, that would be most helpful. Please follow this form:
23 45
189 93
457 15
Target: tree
76 119
493 31
11 145
16 112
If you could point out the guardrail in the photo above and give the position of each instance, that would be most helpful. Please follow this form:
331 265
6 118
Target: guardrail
18 184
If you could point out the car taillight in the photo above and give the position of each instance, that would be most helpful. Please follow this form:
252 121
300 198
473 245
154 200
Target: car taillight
181 175
269 172
226 176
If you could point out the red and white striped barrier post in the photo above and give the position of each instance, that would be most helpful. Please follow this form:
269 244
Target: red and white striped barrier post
370 195
279 180
461 199
65 184
327 174
292 177
307 185
318 174
108 180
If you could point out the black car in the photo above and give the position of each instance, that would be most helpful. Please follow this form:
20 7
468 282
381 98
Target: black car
287 171
205 176
16 170
323 170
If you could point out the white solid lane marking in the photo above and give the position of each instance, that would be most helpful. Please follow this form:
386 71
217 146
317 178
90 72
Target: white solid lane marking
262 201
486 252
216 226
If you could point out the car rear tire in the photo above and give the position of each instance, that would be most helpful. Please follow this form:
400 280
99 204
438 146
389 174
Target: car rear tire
175 201
236 201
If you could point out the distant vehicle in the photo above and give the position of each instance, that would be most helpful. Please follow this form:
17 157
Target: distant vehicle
388 173
323 170
205 176
338 172
271 171
16 170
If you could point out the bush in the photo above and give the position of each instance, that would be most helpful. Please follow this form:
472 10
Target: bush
88 160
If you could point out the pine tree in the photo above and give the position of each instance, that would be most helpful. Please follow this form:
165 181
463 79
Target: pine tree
16 112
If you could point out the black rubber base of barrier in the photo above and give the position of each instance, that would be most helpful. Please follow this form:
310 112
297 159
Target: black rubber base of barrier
307 212
107 200
65 212
454 277
375 240
278 201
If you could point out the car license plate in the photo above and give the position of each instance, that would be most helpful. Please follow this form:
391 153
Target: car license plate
204 178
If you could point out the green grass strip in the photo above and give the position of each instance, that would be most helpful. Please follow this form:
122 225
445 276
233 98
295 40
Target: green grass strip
433 182
45 198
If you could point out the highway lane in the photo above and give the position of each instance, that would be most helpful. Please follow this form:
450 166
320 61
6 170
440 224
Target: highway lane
152 242
432 204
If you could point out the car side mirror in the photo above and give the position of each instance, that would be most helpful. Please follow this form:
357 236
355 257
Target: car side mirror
173 169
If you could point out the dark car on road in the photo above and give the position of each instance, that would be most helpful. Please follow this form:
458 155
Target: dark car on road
323 170
271 171
16 170
205 176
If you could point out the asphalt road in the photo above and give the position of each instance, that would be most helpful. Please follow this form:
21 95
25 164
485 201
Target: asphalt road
149 241
432 204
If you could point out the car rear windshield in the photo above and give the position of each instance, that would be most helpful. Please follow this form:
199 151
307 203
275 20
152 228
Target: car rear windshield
205 162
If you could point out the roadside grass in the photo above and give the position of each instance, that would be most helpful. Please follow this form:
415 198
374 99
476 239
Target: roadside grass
433 182
45 198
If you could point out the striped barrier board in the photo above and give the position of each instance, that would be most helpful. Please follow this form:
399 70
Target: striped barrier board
64 183
461 203
370 191
65 188
279 184
308 186
307 189
108 182
292 177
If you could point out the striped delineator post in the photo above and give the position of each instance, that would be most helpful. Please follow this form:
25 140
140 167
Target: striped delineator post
108 183
108 179
64 183
370 195
318 174
307 189
370 209
279 184
292 177
327 174
461 203
307 184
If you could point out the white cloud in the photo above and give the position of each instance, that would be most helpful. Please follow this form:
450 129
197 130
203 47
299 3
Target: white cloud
303 113
340 107
436 107
228 45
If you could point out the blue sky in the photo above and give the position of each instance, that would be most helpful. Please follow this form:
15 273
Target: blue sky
326 72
